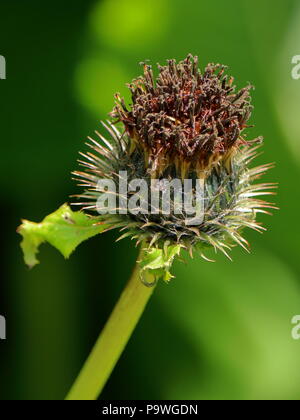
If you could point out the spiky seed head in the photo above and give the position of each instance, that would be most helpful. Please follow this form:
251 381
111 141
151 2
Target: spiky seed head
183 124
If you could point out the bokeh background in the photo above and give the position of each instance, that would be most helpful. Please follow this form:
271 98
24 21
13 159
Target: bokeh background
218 331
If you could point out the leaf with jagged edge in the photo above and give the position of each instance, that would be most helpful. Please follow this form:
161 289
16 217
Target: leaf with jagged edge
158 261
63 229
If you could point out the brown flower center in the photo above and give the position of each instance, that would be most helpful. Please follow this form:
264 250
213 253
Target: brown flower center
185 118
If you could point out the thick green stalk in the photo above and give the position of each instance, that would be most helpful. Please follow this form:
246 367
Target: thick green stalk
112 340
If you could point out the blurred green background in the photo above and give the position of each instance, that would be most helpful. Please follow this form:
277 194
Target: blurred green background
218 331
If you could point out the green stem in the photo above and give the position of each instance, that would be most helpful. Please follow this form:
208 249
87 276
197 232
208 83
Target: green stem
112 340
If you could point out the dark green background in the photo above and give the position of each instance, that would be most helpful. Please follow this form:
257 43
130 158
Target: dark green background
218 331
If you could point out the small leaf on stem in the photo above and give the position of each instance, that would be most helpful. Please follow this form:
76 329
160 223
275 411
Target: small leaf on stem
63 229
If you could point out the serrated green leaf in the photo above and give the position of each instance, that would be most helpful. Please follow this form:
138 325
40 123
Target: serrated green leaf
159 261
63 229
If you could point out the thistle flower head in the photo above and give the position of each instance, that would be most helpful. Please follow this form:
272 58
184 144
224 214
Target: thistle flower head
185 118
181 125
